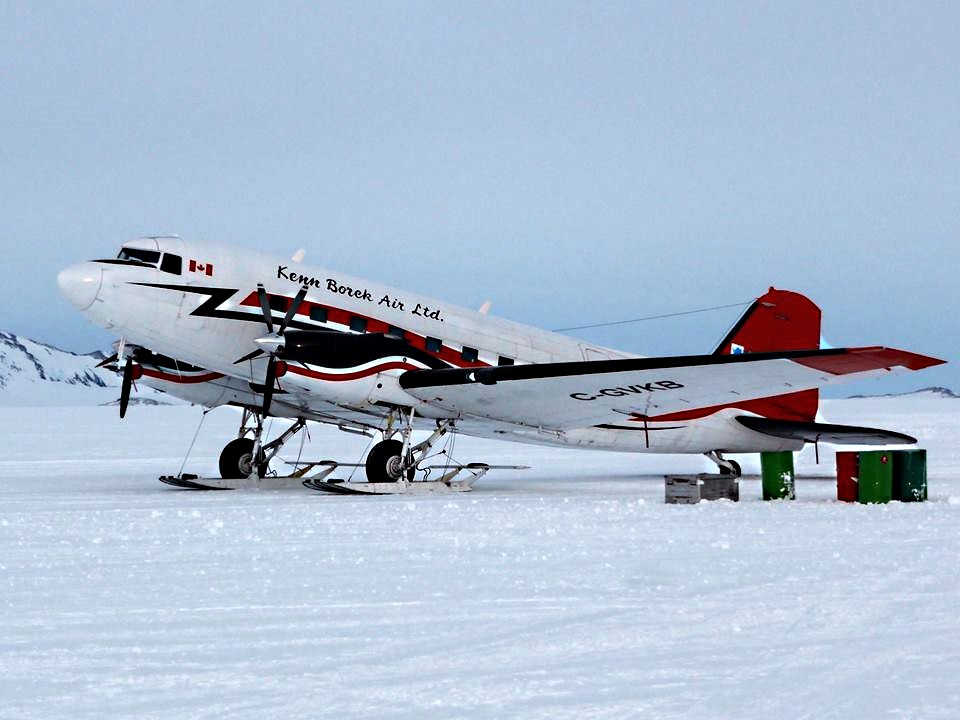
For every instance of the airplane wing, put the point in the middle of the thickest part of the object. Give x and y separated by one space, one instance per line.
580 394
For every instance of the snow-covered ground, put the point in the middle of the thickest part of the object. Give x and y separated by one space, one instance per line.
569 590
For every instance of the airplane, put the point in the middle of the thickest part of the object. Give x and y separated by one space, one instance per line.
218 325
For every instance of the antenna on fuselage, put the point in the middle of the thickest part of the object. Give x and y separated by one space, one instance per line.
299 255
485 308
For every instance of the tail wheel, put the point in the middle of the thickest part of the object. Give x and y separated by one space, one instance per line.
236 460
385 462
732 468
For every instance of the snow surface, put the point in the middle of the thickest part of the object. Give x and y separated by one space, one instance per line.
566 591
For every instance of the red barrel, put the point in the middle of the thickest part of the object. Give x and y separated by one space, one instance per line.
848 470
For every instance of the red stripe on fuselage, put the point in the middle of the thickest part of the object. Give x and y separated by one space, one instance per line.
181 379
294 369
356 375
342 317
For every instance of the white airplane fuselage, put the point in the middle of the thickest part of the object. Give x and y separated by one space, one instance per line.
208 316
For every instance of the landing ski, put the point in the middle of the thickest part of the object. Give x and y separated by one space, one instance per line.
192 482
401 487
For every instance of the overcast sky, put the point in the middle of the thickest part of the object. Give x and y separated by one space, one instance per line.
573 163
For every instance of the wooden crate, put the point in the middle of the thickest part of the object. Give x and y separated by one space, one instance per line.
691 489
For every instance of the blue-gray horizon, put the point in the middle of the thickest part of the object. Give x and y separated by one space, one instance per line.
573 164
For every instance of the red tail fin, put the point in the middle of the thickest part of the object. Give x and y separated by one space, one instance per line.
778 320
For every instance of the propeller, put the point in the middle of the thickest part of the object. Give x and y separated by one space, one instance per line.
125 386
272 343
131 372
292 310
269 383
249 356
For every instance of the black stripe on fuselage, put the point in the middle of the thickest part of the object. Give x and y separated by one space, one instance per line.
145 356
639 428
337 349
131 263
211 306
345 349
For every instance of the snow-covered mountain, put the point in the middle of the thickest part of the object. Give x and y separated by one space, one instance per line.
34 373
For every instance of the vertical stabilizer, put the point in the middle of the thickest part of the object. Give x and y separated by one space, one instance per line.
778 320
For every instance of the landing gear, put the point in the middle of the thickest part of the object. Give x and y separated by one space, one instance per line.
237 459
390 466
730 468
385 462
733 469
392 460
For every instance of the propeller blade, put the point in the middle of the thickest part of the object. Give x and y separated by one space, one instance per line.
125 387
249 356
292 310
265 306
268 385
107 361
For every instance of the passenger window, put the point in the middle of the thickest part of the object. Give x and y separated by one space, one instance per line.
318 314
469 354
433 344
171 264
504 360
358 324
278 303
395 332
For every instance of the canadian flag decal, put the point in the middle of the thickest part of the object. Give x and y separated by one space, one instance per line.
205 268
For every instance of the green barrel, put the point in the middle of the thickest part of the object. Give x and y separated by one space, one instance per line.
909 475
876 476
776 470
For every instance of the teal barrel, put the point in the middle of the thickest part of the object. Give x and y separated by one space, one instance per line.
776 472
909 475
876 476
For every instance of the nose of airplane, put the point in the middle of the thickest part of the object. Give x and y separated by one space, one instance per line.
80 283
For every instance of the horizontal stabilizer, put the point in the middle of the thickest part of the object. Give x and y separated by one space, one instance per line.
812 432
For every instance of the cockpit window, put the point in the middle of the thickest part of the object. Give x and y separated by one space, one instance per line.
136 255
171 263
